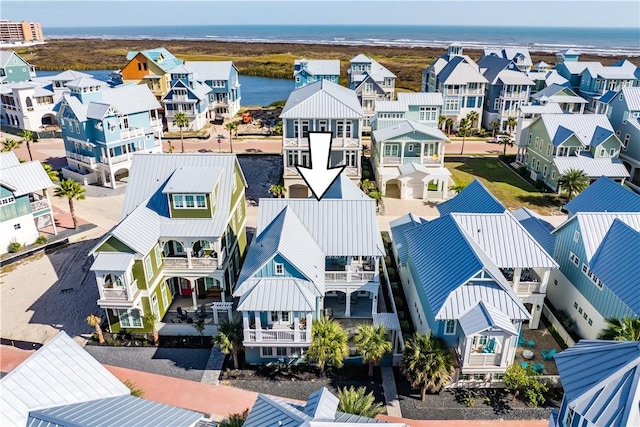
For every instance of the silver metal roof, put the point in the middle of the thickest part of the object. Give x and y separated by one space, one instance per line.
470 294
319 67
407 126
420 98
128 99
83 82
321 405
388 320
97 110
210 70
78 108
59 373
512 77
193 180
114 411
273 294
484 316
8 159
322 100
25 178
583 126
594 168
112 261
541 109
465 73
631 95
341 227
68 76
504 240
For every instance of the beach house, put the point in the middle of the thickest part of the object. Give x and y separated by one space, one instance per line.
103 127
518 55
13 68
320 107
624 114
564 96
508 90
557 143
307 71
181 235
187 96
24 202
298 269
526 115
599 265
458 78
466 284
407 148
151 68
223 80
600 384
371 81
27 105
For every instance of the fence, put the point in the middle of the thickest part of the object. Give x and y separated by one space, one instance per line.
38 134
553 321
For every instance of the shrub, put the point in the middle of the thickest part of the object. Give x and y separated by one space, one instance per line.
135 390
522 171
405 326
41 240
278 104
399 302
526 382
392 272
540 185
566 321
15 247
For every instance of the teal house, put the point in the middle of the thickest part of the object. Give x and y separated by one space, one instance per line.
13 68
307 71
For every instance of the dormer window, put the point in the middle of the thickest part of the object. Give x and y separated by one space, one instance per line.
189 201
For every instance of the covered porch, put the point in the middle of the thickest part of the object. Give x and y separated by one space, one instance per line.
193 291
212 310
416 181
351 299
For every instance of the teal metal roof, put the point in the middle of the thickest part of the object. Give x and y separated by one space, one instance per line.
604 195
160 56
475 198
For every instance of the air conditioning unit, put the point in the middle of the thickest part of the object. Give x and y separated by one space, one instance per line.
535 176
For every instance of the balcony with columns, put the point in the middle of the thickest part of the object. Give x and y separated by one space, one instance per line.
530 286
281 327
117 290
490 351
200 256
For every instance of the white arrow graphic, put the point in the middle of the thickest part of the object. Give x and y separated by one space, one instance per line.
319 176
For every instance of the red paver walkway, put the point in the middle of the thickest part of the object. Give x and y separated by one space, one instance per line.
219 401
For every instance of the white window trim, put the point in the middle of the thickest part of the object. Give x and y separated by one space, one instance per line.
275 269
148 271
129 317
195 201
454 327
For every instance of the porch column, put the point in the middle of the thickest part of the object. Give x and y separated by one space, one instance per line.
535 314
374 304
347 307
308 326
194 288
395 339
188 252
506 358
112 177
517 272
545 281
299 131
222 297
421 152
445 188
402 152
256 316
215 315
468 343
296 327
53 220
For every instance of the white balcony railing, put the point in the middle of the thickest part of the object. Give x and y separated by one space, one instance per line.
131 133
336 142
277 335
155 123
126 293
39 205
180 263
426 160
346 276
528 287
484 359
81 158
116 159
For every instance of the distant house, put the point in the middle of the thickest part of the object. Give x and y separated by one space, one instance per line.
508 90
600 383
320 107
307 71
223 80
371 81
545 78
519 55
598 267
321 409
188 96
408 148
557 143
458 78
463 283
24 202
13 68
27 105
63 385
103 127
624 115
564 96
181 234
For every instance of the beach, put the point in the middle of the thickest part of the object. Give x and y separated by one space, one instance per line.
257 59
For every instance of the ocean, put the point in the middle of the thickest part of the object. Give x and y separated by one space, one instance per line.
601 41
255 91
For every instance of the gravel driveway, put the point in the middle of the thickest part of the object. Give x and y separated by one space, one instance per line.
260 171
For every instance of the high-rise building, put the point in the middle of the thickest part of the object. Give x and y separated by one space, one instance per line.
12 31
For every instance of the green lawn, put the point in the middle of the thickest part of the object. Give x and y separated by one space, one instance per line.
513 191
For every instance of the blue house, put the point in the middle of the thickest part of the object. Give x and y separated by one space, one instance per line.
103 127
595 80
565 97
13 68
307 71
371 81
508 90
600 382
519 55
223 80
188 96
464 285
623 110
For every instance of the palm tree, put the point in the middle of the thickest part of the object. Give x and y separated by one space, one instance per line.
232 127
367 186
52 174
427 363
626 329
277 190
181 120
495 125
357 401
229 339
170 146
441 121
11 144
71 190
149 320
458 188
473 118
463 129
572 182
328 343
375 195
94 320
372 343
448 124
28 137
512 122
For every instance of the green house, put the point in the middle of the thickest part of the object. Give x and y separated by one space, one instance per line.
182 235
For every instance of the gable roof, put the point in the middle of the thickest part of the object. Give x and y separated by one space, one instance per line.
210 70
318 67
112 262
322 100
474 198
558 93
601 381
513 77
59 373
460 71
378 71
189 180
68 75
491 66
344 188
276 294
8 159
604 195
160 56
592 167
23 178
541 109
512 54
6 55
617 263
399 228
408 126
538 228
84 81
484 316
585 127
631 95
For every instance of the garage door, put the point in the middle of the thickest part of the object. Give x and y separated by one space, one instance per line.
298 192
414 190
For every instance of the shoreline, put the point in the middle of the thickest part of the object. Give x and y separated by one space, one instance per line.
254 59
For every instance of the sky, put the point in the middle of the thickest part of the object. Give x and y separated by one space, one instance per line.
538 13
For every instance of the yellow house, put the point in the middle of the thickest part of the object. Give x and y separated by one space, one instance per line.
151 67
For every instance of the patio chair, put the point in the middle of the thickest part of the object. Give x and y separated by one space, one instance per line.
524 365
538 367
548 354
202 312
182 314
531 343
490 347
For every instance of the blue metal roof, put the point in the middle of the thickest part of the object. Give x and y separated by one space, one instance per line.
600 381
604 195
399 228
492 65
114 411
562 134
600 135
475 198
537 227
617 263
608 96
